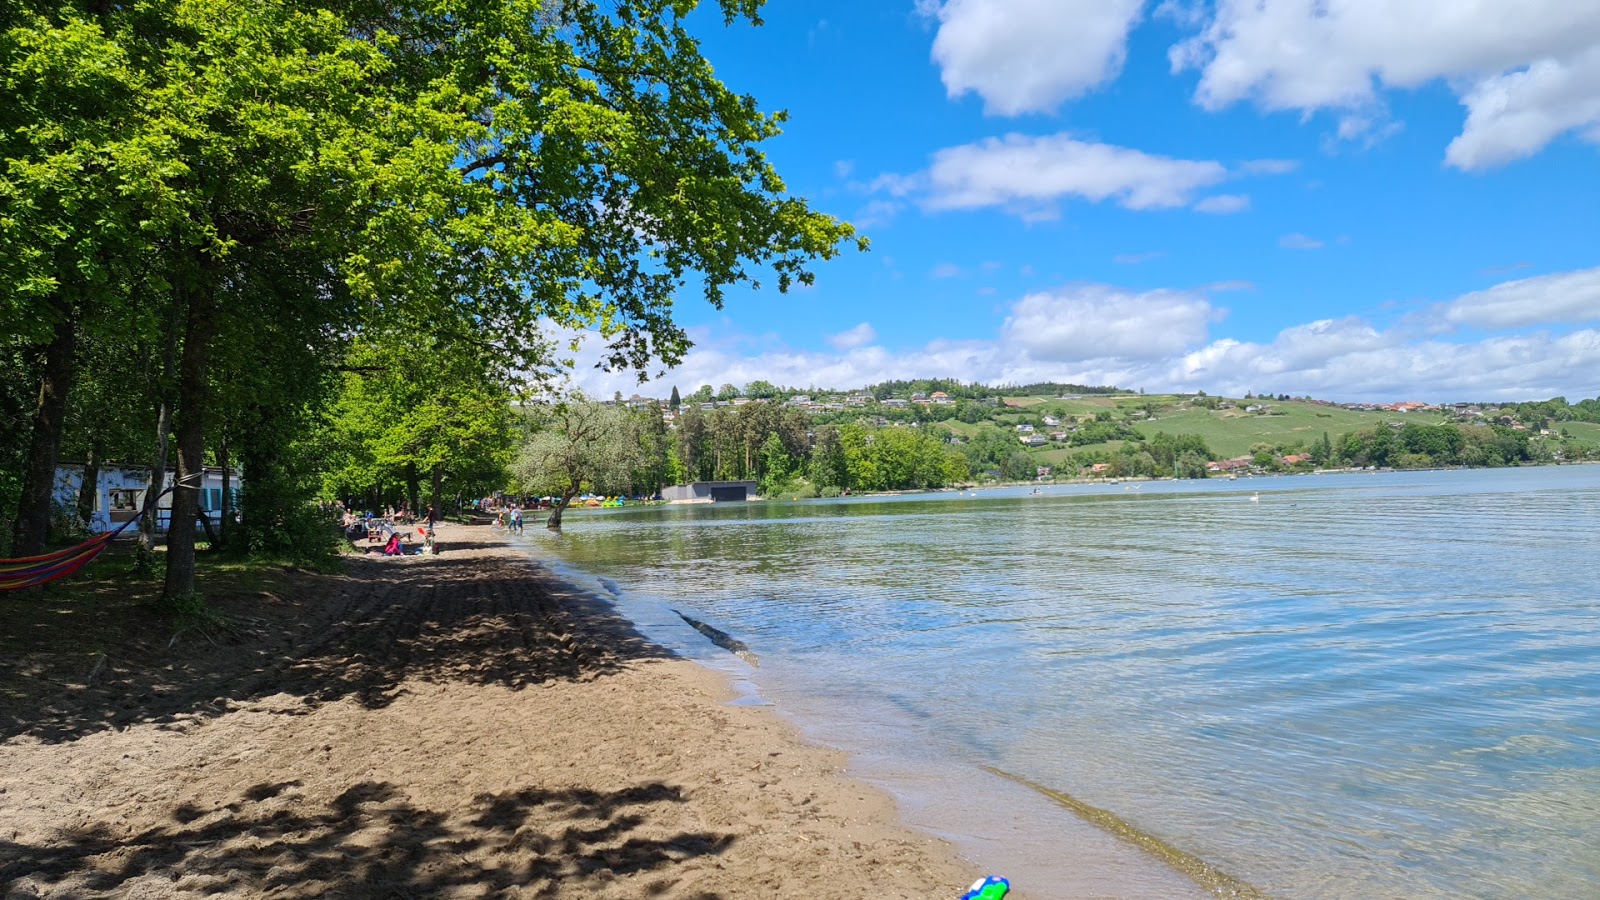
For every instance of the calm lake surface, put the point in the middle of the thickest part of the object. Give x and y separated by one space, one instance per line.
1366 685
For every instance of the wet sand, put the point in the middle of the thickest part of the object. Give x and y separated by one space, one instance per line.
456 726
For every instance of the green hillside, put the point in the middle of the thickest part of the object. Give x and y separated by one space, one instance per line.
1228 432
1232 432
1585 433
1231 429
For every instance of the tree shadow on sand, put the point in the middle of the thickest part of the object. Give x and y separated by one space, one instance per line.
372 842
475 619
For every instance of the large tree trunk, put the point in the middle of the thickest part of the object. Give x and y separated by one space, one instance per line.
436 500
193 389
554 522
413 489
151 506
151 509
32 527
89 489
204 522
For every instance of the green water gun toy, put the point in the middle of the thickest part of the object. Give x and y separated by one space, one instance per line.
992 888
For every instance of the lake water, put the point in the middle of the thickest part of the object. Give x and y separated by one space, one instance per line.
1365 685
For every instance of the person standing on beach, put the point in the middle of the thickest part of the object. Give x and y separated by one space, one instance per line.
516 520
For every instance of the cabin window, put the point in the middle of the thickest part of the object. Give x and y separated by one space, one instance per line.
125 498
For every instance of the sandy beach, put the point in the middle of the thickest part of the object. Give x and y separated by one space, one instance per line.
456 726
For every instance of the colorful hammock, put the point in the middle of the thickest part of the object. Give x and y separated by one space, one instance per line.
32 571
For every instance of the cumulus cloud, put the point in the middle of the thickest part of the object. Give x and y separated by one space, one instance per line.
1562 298
859 336
1098 321
1025 56
1353 361
1514 115
1524 68
1029 175
1098 334
1223 204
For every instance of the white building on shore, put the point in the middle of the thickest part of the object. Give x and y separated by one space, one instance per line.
121 492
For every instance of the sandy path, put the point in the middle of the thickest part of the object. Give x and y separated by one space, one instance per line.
461 726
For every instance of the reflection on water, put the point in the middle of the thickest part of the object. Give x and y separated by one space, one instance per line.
1363 685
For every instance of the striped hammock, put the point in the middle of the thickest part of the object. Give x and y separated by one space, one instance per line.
32 571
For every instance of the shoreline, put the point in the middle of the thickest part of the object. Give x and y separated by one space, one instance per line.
462 725
1047 844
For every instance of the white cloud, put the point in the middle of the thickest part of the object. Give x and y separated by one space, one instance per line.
1025 56
1183 15
1223 204
946 270
893 185
1351 360
1028 175
877 212
1299 241
844 168
1098 321
1524 68
859 336
1514 115
1343 359
1566 297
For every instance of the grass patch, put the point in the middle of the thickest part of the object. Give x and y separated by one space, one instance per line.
1586 434
1232 432
98 607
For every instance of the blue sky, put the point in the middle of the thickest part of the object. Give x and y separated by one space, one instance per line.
1368 199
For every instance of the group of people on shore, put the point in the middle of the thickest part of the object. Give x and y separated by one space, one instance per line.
390 528
509 518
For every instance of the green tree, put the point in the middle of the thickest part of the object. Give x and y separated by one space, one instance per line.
471 169
415 411
1322 451
578 442
777 465
829 465
1166 449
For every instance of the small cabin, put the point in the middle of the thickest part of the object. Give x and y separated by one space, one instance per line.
120 493
710 492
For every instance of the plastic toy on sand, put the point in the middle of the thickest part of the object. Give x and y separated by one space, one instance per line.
992 888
